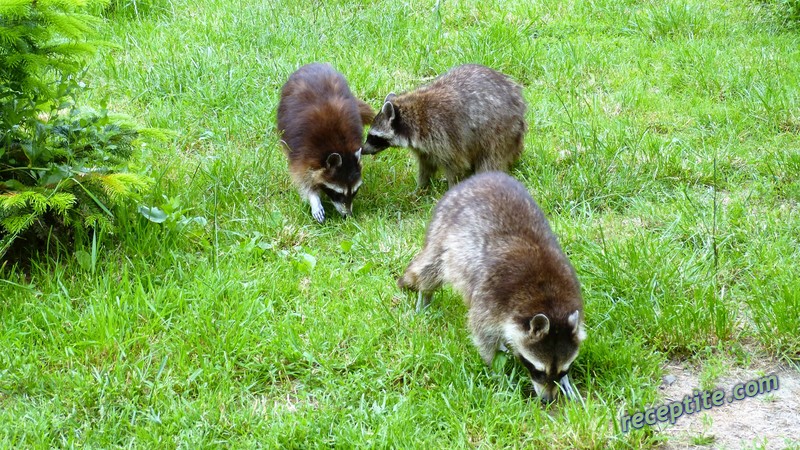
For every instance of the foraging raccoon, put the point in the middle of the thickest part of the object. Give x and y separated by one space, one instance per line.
471 119
321 123
492 243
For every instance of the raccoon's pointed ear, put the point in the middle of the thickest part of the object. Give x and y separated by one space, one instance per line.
577 327
540 326
389 97
334 160
358 154
388 111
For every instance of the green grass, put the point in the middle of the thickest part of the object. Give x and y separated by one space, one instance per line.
663 146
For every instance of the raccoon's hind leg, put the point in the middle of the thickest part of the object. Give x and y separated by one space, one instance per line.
502 162
489 165
501 155
504 154
453 177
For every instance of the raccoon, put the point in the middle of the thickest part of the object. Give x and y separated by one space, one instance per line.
492 243
321 125
471 119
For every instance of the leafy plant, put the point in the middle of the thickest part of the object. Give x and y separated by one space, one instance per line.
62 167
173 215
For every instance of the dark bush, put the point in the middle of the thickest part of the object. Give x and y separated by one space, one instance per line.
63 168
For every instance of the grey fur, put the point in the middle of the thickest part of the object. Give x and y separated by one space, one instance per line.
491 242
471 119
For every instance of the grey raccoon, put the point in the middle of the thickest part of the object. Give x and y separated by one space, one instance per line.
471 119
321 126
489 240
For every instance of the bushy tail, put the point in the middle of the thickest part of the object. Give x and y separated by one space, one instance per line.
366 112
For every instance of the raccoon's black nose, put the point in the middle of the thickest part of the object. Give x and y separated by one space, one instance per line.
548 394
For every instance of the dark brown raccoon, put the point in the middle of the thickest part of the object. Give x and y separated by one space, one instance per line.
491 242
321 125
471 119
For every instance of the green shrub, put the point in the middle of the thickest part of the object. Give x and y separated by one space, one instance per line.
791 12
786 12
62 168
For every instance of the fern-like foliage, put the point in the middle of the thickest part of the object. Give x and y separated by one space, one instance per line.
35 33
61 166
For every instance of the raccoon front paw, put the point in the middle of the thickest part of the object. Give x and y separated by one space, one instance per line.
316 207
319 214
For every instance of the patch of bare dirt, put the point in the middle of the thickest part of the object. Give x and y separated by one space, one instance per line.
768 421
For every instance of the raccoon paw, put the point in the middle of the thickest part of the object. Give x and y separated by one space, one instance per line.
319 214
316 207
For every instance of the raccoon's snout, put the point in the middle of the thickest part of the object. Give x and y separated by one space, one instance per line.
375 144
368 149
549 392
345 209
546 392
341 197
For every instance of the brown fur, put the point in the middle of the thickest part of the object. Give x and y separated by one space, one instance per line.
491 242
366 112
471 119
321 126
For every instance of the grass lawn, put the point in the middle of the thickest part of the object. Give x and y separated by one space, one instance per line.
663 145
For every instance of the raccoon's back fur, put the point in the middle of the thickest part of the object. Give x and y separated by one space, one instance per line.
492 243
471 119
321 126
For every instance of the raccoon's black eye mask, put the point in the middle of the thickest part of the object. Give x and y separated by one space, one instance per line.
338 197
538 375
333 195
